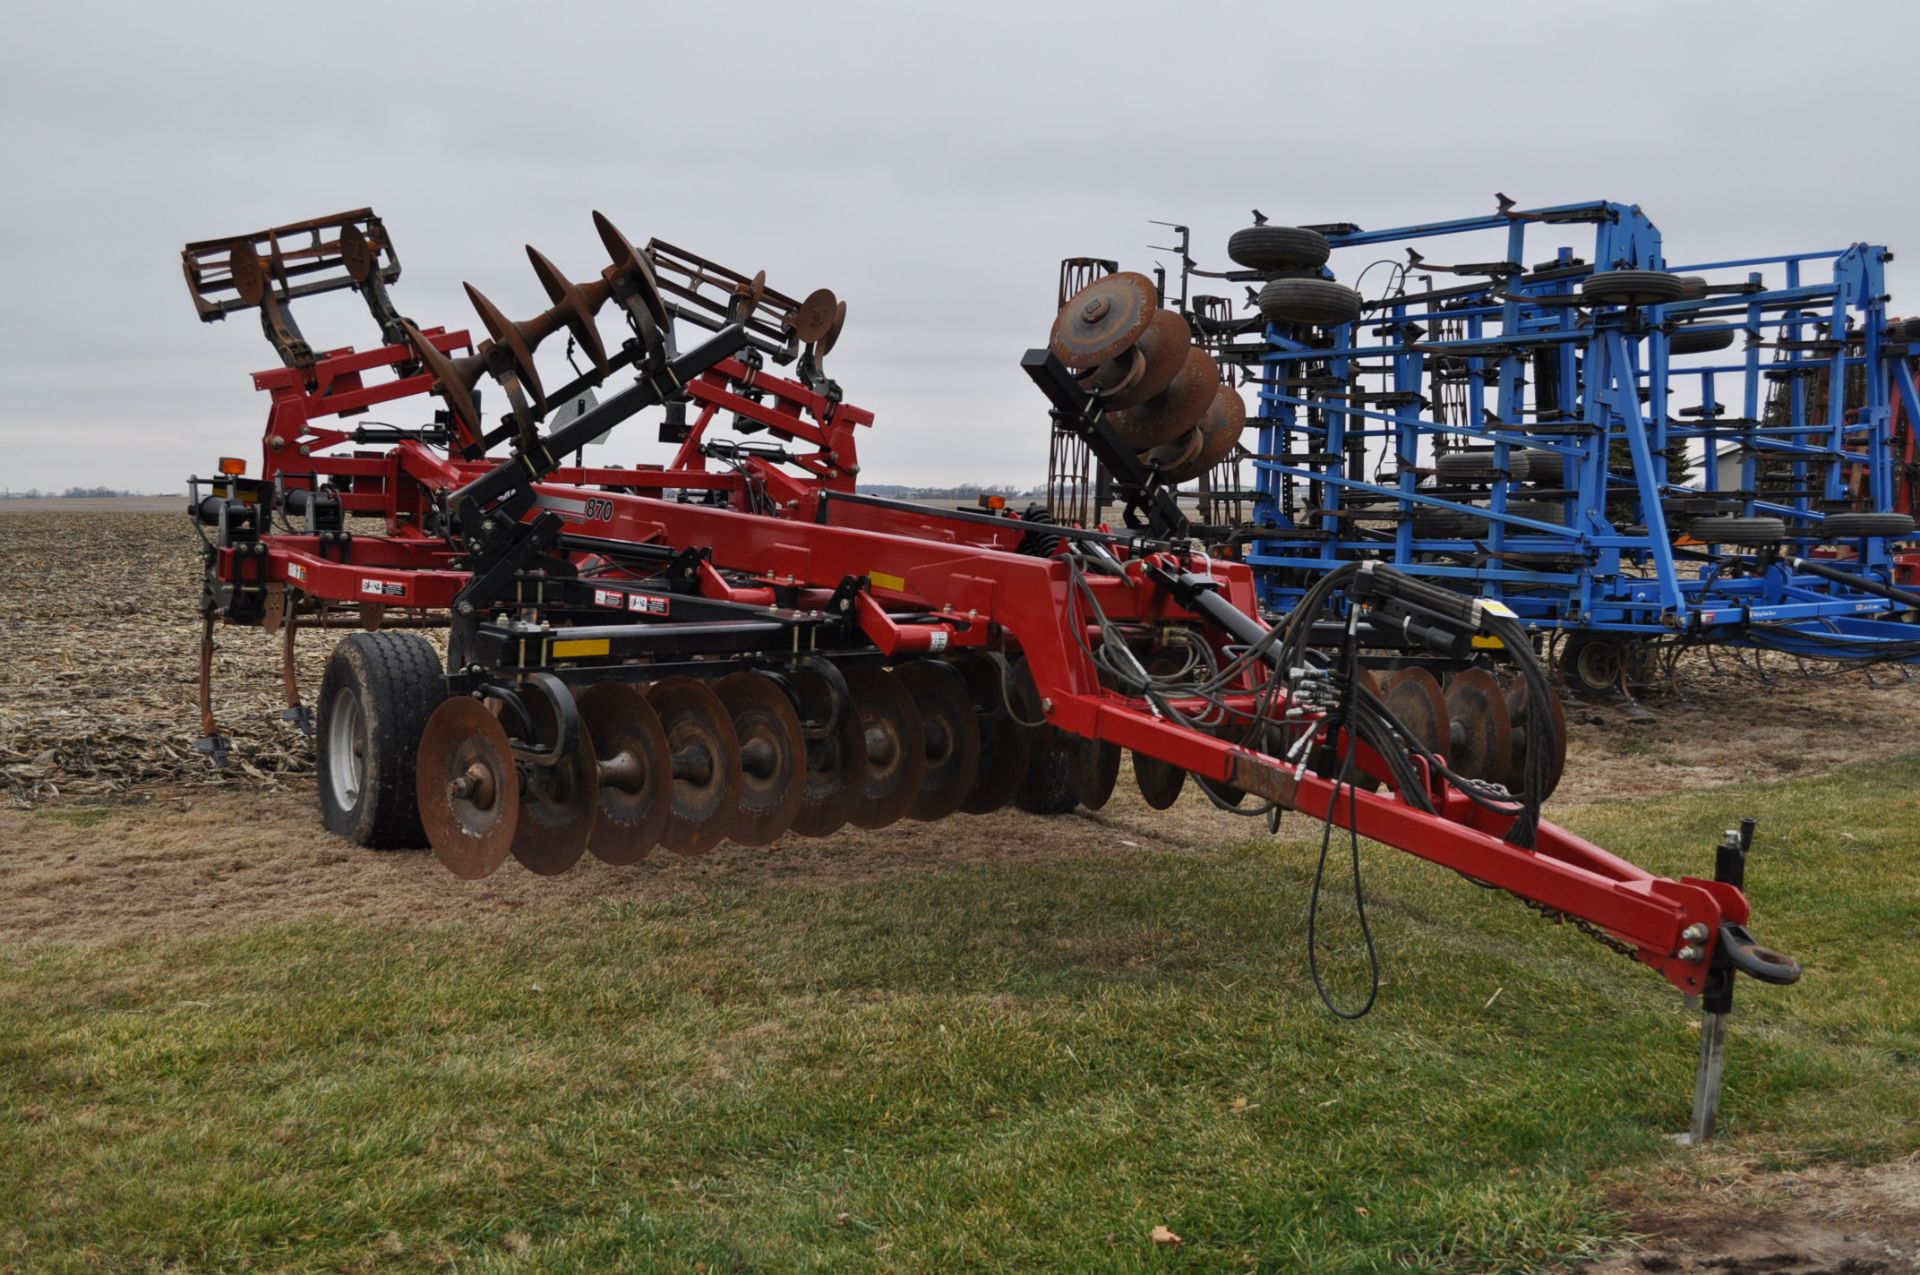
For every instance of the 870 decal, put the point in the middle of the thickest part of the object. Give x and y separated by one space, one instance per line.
598 509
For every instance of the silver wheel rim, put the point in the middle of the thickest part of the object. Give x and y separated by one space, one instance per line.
346 748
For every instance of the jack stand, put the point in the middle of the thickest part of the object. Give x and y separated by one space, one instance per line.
1716 1002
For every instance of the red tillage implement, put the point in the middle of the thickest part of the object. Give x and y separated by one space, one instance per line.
738 644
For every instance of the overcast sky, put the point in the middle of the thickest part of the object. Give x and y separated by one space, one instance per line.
930 164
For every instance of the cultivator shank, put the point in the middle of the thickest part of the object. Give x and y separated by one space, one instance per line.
739 645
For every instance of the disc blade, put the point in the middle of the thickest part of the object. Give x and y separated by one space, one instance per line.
1163 351
773 758
453 380
559 803
951 735
814 316
1481 731
1159 782
1103 318
896 756
631 270
1220 429
832 338
1174 411
705 754
636 772
1096 769
1046 786
575 306
513 338
1006 747
1517 700
836 755
1413 695
469 788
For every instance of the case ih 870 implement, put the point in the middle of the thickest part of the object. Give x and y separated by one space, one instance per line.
737 644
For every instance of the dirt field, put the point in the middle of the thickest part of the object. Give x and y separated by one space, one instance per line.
116 829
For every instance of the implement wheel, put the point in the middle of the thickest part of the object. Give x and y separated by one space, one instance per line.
1590 664
1278 248
1843 526
378 691
1316 302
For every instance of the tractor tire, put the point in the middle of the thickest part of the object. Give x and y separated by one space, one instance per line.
1849 526
378 691
1686 340
1696 287
1723 530
1634 287
1278 248
1319 302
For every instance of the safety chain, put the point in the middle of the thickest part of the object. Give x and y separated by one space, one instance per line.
1586 927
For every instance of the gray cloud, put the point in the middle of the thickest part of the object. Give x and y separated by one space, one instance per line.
929 163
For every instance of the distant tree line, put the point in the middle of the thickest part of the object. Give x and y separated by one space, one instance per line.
71 493
961 491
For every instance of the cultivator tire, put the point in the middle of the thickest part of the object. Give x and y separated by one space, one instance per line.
836 745
706 763
1590 665
895 746
773 758
951 734
469 788
1847 526
1006 747
1314 302
1278 248
1634 287
378 691
1738 531
635 772
560 800
1688 340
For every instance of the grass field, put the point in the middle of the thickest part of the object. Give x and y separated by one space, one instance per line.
985 1066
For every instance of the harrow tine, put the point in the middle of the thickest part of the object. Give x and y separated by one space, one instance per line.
773 758
635 769
468 788
706 763
836 770
951 735
895 748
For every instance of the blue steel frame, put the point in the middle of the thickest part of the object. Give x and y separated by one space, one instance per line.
1612 362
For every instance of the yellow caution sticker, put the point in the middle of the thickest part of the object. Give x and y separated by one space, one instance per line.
1488 644
881 580
572 648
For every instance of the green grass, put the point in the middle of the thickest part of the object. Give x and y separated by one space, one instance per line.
993 1068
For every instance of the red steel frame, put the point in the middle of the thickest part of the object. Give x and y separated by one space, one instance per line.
936 583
